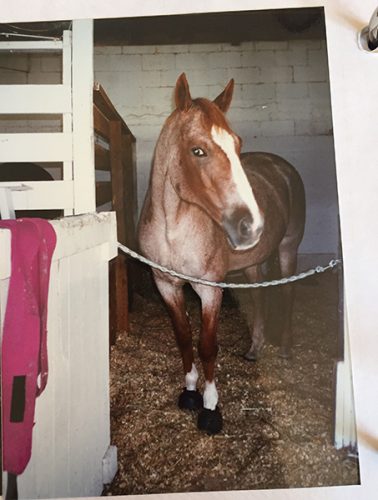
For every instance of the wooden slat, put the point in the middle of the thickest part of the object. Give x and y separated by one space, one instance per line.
103 192
102 158
36 147
32 46
104 104
101 123
82 103
43 195
40 99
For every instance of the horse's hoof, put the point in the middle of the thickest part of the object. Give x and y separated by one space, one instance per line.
190 400
210 421
285 353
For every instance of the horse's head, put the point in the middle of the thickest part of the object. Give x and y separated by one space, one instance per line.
207 170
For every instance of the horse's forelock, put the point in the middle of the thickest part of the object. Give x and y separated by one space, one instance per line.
212 114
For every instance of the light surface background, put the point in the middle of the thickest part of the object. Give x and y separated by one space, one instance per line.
354 78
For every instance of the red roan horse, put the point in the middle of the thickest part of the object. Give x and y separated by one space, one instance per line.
209 210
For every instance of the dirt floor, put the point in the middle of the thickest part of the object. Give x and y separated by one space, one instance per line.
277 414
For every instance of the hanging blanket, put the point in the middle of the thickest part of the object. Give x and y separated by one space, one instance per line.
24 343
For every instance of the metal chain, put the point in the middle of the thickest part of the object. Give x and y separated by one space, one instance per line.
316 270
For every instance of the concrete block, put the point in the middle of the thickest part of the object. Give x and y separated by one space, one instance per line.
185 62
293 108
319 92
318 58
205 47
172 49
271 45
14 61
311 74
295 56
117 62
277 128
291 90
245 75
158 99
107 51
9 77
158 61
138 49
308 44
51 63
263 59
211 76
258 91
313 127
277 74
45 78
225 60
240 47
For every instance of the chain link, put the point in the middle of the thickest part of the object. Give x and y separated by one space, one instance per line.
316 270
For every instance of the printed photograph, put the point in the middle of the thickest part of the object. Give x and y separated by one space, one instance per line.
178 324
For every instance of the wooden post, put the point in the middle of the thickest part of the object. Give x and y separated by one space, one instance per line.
82 104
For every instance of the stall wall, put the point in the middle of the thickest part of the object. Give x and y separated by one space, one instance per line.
281 104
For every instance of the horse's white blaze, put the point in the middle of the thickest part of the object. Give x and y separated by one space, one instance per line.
191 379
210 396
242 186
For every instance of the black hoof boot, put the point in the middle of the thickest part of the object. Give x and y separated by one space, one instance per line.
190 400
210 421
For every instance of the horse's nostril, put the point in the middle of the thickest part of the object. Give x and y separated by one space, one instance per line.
245 227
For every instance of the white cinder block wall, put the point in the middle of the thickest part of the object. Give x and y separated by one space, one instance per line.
281 104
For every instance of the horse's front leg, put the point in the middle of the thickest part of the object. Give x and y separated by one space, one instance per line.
172 293
255 314
210 418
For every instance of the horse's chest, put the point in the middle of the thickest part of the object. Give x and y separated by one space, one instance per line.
191 245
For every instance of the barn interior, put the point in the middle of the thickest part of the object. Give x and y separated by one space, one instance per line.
276 408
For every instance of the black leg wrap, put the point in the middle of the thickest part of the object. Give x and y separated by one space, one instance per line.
190 400
210 421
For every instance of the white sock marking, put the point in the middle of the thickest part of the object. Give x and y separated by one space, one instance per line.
191 379
210 396
226 142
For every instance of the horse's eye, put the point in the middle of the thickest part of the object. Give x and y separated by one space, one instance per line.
198 152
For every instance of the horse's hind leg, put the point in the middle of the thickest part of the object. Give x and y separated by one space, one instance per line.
172 293
255 313
210 418
288 264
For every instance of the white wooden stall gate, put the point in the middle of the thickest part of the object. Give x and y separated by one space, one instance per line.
71 453
74 145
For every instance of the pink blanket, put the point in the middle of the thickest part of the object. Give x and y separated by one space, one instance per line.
24 343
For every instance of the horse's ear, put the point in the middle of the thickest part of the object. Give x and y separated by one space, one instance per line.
182 95
223 101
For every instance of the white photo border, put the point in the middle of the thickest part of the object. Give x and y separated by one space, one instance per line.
353 82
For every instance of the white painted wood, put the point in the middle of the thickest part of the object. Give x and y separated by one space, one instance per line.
67 117
345 420
71 436
6 203
32 46
35 147
40 99
43 195
82 104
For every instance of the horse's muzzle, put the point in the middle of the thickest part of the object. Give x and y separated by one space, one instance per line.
240 230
